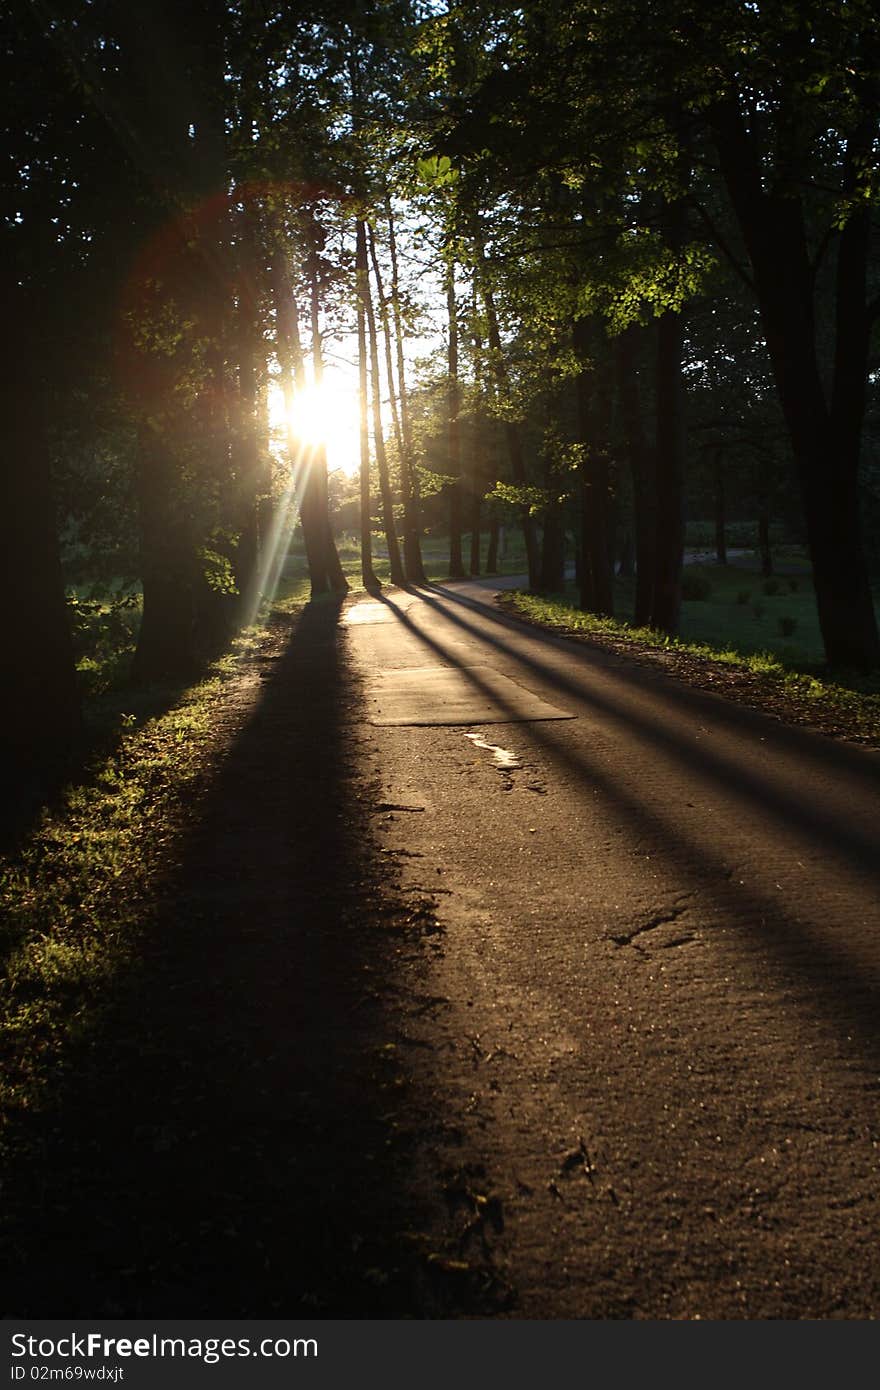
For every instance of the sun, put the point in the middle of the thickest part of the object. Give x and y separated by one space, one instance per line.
312 414
325 414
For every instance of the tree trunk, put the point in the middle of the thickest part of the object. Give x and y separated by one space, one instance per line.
626 554
764 549
492 552
825 437
395 563
412 524
250 465
213 272
478 468
640 461
553 553
42 717
474 521
165 640
412 551
456 563
368 574
594 428
669 474
332 564
511 433
720 509
288 347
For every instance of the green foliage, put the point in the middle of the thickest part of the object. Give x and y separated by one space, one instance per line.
104 631
436 172
535 499
770 587
217 571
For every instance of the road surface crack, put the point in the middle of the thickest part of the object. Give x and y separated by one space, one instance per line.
660 919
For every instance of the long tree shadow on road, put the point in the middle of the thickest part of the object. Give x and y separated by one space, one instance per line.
842 989
223 1146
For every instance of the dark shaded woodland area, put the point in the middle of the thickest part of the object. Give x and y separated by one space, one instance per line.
650 268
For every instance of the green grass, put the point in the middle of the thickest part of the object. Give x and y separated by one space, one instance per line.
293 586
724 630
739 616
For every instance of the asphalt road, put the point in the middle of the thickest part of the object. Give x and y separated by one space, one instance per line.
651 1031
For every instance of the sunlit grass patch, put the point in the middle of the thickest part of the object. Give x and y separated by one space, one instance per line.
856 697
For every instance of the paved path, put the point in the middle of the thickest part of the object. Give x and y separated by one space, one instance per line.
652 1037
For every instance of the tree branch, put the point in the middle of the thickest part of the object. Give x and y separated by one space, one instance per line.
722 244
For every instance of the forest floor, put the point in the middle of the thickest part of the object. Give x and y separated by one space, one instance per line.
520 1016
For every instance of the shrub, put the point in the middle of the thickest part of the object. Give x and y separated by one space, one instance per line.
793 585
758 610
770 587
744 596
787 625
695 586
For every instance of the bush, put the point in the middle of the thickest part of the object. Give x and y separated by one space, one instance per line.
744 596
770 587
695 586
104 633
787 625
758 610
793 586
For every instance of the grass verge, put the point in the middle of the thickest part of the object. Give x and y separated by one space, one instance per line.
74 892
845 705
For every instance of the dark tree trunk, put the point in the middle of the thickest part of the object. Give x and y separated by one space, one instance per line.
474 520
478 467
593 418
412 524
288 346
669 476
368 574
246 461
394 560
626 554
720 509
324 532
165 640
764 548
553 539
42 716
456 562
250 464
825 435
492 551
412 551
512 436
553 553
640 460
213 275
